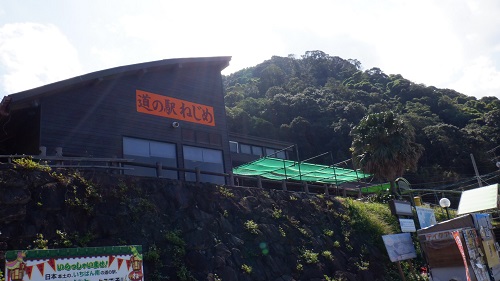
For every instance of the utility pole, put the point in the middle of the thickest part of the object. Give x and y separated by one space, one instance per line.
475 170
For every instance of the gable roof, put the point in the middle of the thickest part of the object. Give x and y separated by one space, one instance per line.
95 77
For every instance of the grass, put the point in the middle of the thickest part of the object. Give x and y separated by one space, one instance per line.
252 226
310 257
328 255
28 164
246 268
225 192
328 232
282 232
372 218
277 213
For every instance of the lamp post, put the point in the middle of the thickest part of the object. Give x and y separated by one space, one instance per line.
445 203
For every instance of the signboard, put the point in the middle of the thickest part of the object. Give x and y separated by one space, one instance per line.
121 263
438 236
169 107
478 199
407 225
399 246
426 216
400 208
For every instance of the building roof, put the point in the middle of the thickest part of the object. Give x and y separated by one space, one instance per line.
96 77
281 169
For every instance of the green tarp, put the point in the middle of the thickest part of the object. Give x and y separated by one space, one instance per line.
280 169
376 188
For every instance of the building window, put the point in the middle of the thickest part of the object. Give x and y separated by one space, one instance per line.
281 155
150 152
233 146
271 152
208 160
245 148
256 150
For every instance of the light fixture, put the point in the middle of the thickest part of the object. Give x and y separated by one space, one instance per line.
445 203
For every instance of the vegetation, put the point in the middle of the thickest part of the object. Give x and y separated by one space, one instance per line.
316 100
384 145
246 268
29 164
252 226
310 257
225 192
308 232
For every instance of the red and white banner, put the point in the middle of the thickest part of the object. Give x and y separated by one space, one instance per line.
456 236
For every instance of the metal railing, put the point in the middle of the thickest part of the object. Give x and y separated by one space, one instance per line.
122 165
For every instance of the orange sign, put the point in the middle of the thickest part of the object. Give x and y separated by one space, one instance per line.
164 106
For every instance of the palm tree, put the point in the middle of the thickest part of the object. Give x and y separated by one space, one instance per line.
383 145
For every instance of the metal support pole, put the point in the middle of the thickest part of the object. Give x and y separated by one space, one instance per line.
475 170
231 179
198 175
158 169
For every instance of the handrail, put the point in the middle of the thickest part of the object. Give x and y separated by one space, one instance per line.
117 164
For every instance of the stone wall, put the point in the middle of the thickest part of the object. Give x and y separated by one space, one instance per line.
188 232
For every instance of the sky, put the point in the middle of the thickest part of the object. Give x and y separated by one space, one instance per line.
452 44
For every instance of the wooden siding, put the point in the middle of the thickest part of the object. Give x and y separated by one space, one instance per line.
91 120
20 132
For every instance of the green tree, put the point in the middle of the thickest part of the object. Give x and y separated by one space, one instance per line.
383 144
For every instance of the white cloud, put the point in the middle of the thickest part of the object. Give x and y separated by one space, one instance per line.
33 55
479 78
446 43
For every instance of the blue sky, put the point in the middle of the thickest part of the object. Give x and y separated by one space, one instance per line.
447 43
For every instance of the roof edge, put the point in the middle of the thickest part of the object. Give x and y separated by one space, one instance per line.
222 62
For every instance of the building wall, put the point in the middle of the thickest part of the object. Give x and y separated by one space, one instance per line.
245 149
91 120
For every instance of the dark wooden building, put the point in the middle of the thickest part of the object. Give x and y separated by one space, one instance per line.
245 149
169 111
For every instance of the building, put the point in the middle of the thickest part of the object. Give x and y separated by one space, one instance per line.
245 149
169 111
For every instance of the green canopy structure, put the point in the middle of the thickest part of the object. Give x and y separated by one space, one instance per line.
280 169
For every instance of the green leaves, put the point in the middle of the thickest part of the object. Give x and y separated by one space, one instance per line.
383 144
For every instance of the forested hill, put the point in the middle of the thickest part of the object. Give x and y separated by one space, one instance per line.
315 101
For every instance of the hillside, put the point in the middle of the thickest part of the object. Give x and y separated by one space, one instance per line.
191 232
316 99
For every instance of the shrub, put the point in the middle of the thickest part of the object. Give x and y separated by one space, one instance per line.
226 192
310 256
246 268
277 213
282 232
327 255
251 226
28 164
328 232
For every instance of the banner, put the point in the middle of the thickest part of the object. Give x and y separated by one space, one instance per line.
456 236
121 263
169 107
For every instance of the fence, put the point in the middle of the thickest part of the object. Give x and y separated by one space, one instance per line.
120 165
